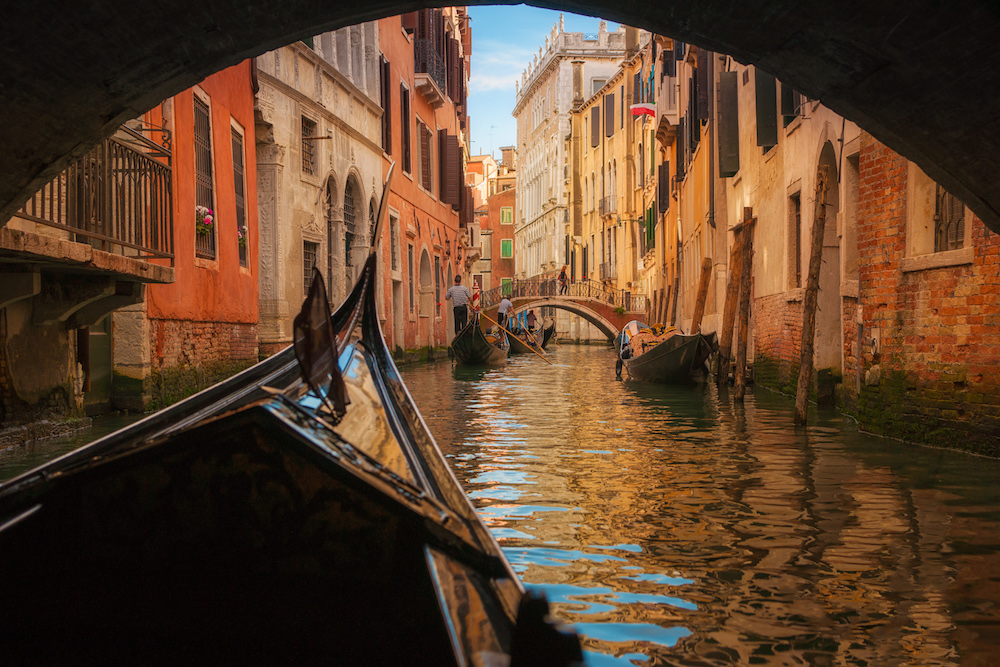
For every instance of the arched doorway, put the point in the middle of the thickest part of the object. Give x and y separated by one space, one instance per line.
350 229
329 206
829 331
426 299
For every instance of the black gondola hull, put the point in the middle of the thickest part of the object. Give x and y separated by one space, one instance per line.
675 360
471 346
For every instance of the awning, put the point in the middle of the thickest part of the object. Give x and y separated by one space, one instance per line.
643 108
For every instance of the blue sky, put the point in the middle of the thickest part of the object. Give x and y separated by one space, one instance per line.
504 40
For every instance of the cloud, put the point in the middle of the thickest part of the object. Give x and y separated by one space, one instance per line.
496 66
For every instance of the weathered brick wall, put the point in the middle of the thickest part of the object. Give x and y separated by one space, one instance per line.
777 331
187 356
934 377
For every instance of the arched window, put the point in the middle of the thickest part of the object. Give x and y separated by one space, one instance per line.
329 199
349 227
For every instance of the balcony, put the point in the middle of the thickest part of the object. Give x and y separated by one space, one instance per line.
608 271
607 205
430 71
117 199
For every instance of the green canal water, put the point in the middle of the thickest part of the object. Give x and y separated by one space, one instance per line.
670 527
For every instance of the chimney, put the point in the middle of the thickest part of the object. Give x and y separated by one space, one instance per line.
577 83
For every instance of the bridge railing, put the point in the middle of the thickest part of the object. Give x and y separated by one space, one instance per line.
549 287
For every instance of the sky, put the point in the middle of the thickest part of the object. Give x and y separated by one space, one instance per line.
504 40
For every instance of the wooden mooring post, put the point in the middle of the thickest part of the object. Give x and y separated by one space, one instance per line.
699 303
746 288
732 300
810 297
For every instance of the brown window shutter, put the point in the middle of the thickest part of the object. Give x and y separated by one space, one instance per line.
409 21
704 84
609 114
595 126
386 107
404 128
636 85
454 172
663 188
425 157
681 149
442 165
767 109
729 128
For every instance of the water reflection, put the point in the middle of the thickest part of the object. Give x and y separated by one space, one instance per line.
671 527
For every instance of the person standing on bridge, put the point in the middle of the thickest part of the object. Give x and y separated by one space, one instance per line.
460 297
563 282
505 305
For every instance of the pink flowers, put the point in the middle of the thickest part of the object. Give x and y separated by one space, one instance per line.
203 218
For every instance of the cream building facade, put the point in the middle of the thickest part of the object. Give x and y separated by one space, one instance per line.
319 169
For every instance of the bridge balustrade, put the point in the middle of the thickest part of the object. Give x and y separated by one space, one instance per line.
579 289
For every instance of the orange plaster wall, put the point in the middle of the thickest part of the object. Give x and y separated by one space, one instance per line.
218 290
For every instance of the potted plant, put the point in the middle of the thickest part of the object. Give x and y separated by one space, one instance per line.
241 233
203 220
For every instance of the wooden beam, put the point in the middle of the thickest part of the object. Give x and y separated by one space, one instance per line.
746 287
810 297
732 299
699 303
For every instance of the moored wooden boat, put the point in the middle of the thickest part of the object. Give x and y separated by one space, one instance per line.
519 345
473 347
672 357
299 512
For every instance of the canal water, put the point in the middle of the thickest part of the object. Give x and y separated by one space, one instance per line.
671 528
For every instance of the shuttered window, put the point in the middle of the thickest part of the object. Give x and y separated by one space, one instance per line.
949 221
595 126
729 128
386 106
663 188
426 159
239 188
609 115
767 109
704 76
404 127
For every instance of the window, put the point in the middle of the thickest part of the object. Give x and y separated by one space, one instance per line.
404 127
349 227
204 244
309 252
596 85
506 286
386 105
795 240
330 199
506 248
437 286
425 159
949 221
308 146
409 258
393 240
239 186
506 215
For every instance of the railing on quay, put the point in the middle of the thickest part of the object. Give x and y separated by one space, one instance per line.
579 289
117 198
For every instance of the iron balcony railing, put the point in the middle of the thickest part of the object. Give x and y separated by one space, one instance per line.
118 198
580 289
607 205
429 61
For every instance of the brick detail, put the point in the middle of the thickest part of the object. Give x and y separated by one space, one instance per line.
185 343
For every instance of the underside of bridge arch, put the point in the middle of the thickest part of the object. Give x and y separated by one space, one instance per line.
607 328
919 75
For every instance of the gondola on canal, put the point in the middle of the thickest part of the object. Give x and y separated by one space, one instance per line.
663 355
547 334
299 512
474 347
523 340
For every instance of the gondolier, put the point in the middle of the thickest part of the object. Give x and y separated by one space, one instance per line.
460 297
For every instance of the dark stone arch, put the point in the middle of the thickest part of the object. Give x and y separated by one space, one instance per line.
918 75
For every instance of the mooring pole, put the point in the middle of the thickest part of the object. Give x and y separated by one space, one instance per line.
699 303
746 287
810 297
732 300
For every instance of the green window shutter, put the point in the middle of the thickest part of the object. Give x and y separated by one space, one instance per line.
767 109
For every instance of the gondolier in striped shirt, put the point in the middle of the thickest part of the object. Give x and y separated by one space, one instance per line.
460 297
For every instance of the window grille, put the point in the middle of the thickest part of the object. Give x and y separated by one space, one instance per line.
309 252
349 227
437 285
393 240
949 221
204 194
308 146
238 184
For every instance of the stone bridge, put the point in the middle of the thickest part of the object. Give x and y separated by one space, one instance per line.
607 309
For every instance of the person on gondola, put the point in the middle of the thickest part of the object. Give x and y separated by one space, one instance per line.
505 305
460 296
531 321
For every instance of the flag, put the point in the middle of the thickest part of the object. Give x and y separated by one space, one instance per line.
643 108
